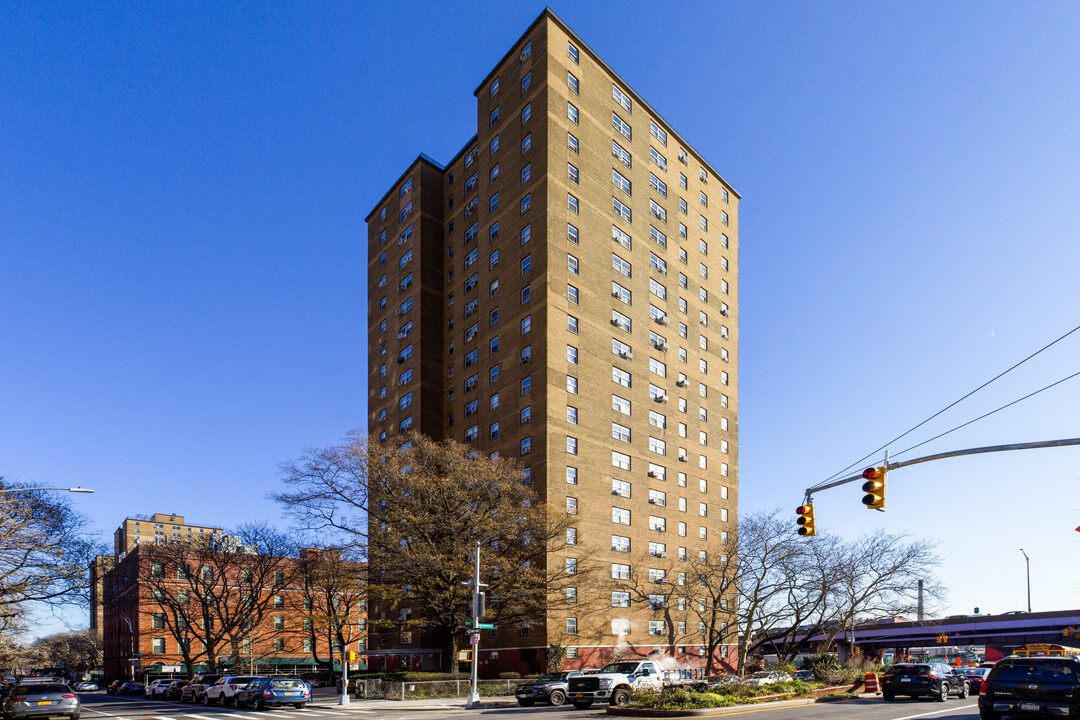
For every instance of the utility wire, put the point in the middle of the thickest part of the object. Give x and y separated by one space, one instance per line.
957 402
969 422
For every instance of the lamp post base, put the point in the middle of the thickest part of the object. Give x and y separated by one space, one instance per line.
473 702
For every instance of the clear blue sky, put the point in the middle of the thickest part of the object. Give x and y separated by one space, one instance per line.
182 245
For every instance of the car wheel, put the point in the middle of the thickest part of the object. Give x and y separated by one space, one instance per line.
258 704
526 702
75 716
204 699
943 693
963 691
298 706
620 697
887 696
582 704
557 697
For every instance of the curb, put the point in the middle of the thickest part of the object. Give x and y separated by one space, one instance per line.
720 711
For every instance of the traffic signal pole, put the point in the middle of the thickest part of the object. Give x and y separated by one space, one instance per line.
952 453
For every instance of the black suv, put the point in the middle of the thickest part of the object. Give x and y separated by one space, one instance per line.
1036 685
936 680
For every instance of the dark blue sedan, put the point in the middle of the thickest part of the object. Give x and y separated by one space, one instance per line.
262 693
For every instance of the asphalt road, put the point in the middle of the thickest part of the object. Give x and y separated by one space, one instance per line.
98 706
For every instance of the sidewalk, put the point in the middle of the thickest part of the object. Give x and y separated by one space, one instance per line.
327 699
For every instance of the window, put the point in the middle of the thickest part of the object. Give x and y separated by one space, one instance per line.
492 119
571 505
621 294
526 325
572 113
657 368
659 290
659 160
526 294
526 446
526 234
494 90
623 266
657 446
571 592
571 355
572 52
571 445
494 204
620 97
526 143
658 185
572 324
572 143
620 543
157 646
620 152
620 237
571 233
620 321
526 387
620 405
657 263
572 83
620 460
620 572
572 173
619 181
619 124
620 432
657 237
526 82
572 294
620 376
572 203
657 133
571 385
657 627
572 264
657 211
621 349
571 476
621 210
571 415
620 599
526 264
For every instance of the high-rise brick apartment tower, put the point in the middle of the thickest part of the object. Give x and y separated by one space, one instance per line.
565 291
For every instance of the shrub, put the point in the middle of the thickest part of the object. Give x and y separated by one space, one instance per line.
677 699
510 675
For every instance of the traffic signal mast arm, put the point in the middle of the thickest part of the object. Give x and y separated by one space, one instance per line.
953 453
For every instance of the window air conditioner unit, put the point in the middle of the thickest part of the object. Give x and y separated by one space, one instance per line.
682 458
525 420
614 293
614 321
400 359
652 501
526 451
525 359
681 383
614 492
724 311
652 474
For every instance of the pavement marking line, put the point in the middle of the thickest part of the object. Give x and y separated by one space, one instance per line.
937 712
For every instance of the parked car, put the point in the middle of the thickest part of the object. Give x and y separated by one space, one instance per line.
765 677
975 677
84 686
195 691
156 689
936 680
1020 686
113 687
807 675
172 692
131 688
261 693
550 688
721 682
27 700
223 692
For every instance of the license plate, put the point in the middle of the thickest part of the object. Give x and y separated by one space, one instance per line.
905 679
1035 707
578 695
44 702
291 692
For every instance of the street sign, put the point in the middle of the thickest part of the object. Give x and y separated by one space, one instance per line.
486 626
472 631
464 655
474 639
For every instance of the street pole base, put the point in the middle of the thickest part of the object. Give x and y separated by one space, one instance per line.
473 703
344 699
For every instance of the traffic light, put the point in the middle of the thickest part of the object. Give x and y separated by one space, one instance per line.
805 519
874 487
942 639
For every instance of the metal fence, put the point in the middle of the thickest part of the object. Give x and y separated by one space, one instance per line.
390 690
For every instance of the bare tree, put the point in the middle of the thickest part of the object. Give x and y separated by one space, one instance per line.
418 510
716 577
216 594
877 575
45 552
332 595
660 584
75 649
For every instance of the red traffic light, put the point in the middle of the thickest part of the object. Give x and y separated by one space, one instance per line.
871 473
802 509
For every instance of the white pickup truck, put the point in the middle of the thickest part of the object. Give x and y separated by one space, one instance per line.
614 683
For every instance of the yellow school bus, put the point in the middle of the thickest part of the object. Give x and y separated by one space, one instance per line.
1046 650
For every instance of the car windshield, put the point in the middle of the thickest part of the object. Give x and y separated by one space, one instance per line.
286 683
975 672
1060 671
624 668
550 677
40 689
908 669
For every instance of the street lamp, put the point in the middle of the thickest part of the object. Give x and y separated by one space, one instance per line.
35 489
131 648
1027 560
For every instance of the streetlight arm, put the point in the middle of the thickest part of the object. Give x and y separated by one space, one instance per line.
36 489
